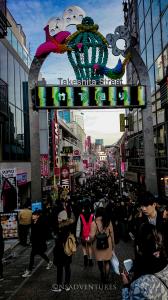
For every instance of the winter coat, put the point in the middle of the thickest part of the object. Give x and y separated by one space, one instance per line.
148 287
106 254
60 258
39 236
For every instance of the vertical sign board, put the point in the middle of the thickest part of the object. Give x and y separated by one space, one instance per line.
44 164
122 122
65 178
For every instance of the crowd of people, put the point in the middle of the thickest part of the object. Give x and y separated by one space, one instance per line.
98 216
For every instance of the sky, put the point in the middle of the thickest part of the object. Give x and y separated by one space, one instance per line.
33 15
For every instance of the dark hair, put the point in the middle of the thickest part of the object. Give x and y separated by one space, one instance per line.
150 241
37 213
101 212
146 199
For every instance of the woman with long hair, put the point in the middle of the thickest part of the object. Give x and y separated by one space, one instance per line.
102 226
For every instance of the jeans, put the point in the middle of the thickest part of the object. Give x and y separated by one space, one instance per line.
60 274
33 254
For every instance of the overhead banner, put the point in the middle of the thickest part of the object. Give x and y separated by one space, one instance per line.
44 97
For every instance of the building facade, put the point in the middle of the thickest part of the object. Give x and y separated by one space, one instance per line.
14 117
148 23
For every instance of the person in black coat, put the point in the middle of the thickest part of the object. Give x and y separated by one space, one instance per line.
38 241
61 260
1 251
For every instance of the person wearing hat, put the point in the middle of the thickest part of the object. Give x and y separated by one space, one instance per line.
38 241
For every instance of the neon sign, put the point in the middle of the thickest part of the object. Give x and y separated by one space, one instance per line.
45 97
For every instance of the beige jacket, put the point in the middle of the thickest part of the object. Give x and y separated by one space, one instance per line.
25 216
106 254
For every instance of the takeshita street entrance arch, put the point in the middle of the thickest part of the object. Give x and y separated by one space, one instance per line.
87 51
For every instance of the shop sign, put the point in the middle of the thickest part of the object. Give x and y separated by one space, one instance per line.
76 152
67 150
21 179
10 225
65 182
7 173
44 164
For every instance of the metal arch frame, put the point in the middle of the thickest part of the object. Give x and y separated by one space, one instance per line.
149 154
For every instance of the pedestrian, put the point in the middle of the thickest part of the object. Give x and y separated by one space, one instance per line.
82 233
24 219
38 241
1 251
61 260
150 270
102 231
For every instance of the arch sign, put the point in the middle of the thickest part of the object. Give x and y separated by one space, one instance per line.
96 85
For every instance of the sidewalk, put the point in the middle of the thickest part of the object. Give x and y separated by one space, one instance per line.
9 244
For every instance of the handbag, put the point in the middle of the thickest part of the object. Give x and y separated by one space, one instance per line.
115 264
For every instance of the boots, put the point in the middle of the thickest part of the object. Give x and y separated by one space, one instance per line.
85 260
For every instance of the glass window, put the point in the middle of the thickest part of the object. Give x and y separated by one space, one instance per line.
9 35
11 95
165 28
154 118
161 140
14 42
17 84
148 27
25 57
142 37
144 56
20 50
159 68
165 60
149 53
163 4
3 62
160 116
152 79
157 42
141 13
146 5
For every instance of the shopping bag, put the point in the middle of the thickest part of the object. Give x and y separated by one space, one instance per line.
115 264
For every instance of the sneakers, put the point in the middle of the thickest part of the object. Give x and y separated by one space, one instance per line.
55 288
27 273
49 265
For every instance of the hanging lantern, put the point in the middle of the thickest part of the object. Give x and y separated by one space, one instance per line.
89 47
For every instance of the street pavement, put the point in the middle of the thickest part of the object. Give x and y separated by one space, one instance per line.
85 283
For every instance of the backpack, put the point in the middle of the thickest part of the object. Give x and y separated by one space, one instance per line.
101 240
70 245
86 227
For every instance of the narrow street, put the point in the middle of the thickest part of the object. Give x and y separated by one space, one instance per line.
85 283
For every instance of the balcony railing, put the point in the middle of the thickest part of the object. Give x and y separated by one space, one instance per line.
3 100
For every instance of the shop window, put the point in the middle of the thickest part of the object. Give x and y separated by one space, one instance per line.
160 116
3 62
161 141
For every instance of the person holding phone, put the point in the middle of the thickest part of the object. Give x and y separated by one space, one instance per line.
150 269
